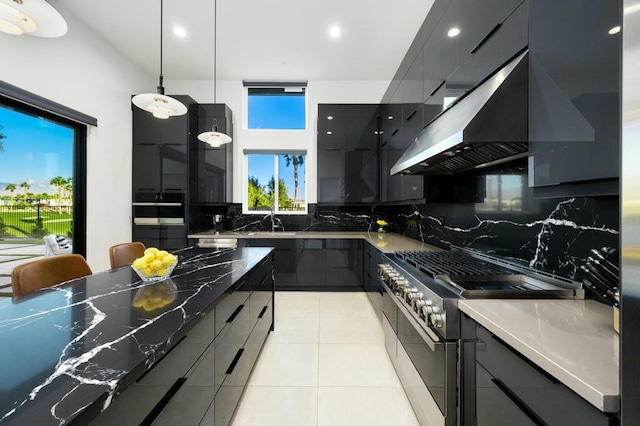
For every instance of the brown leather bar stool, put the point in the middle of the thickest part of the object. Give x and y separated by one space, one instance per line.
125 254
29 277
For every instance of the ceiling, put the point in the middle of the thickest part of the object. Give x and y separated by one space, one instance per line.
258 39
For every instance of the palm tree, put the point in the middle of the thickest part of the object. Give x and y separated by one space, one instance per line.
296 160
68 187
2 136
10 187
58 182
25 186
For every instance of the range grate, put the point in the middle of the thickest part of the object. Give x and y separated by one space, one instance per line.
450 263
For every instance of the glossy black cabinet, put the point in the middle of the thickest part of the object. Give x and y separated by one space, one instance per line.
347 153
574 104
210 173
375 292
315 264
510 389
160 149
160 166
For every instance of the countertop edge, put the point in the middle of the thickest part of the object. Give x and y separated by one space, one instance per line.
608 403
378 240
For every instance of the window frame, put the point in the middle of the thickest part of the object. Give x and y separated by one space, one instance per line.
47 110
276 176
283 86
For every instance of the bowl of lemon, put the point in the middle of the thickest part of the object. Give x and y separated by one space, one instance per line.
155 265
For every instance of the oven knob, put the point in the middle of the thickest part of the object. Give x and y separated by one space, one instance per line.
430 309
399 289
408 290
419 303
437 320
410 297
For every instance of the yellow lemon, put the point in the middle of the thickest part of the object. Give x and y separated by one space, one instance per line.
156 264
169 260
161 271
161 254
149 257
139 263
151 250
148 272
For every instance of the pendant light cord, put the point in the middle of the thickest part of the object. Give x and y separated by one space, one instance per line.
160 88
215 48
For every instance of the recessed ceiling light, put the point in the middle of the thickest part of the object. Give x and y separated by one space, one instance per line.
179 31
329 133
453 32
390 117
330 117
614 30
335 31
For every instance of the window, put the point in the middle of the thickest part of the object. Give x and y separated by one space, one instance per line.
42 175
281 108
263 170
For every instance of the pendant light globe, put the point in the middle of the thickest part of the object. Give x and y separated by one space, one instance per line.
215 138
159 104
31 17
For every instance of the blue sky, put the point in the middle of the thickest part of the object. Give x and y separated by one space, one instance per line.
276 112
34 149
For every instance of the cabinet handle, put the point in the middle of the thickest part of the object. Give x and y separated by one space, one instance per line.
485 39
263 280
264 309
411 115
235 314
155 412
394 132
235 361
437 88
519 402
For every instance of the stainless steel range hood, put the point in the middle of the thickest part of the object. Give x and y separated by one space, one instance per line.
486 126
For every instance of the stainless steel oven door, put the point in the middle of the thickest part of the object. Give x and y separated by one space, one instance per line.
433 361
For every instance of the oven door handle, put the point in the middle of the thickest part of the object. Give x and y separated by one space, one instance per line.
430 338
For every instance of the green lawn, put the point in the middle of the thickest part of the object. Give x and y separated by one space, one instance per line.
19 223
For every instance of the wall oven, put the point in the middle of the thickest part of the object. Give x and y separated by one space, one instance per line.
158 209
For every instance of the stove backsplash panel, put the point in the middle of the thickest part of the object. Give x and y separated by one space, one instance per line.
553 235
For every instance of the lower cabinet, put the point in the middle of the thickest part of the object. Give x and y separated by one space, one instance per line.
315 264
201 379
509 389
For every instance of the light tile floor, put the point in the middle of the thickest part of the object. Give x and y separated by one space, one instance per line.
324 365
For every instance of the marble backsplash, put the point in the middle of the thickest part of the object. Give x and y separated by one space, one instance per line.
553 235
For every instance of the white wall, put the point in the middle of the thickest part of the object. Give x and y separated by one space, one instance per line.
83 72
318 92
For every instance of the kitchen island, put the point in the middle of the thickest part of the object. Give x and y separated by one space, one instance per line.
68 352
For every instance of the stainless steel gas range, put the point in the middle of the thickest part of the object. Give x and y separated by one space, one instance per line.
422 321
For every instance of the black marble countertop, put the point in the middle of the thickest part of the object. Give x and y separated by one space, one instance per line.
66 351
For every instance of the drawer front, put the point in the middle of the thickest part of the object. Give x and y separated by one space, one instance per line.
546 400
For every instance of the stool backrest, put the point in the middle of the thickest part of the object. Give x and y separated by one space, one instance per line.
42 273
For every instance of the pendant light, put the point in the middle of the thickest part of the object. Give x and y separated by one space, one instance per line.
31 17
158 104
214 137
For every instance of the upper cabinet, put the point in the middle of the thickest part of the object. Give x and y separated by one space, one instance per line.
160 149
348 138
210 168
574 97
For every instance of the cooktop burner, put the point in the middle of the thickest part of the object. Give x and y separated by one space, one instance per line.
450 263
